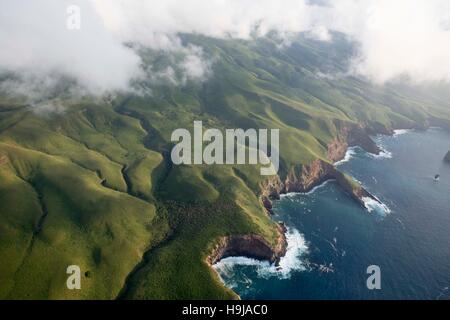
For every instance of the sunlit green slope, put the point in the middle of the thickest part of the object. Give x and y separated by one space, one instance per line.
92 184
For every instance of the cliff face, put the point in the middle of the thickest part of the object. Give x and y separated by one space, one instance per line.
447 157
337 149
319 171
251 246
309 177
352 135
299 179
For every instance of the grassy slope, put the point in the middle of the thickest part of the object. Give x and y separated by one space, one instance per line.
92 185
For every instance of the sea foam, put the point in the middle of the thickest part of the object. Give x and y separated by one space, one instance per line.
348 156
294 194
296 248
384 154
376 206
400 132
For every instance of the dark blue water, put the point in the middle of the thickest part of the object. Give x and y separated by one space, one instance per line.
333 240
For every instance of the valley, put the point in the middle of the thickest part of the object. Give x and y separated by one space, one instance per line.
92 183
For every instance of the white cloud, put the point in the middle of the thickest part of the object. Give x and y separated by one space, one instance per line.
186 63
195 66
146 21
320 33
401 37
35 41
398 37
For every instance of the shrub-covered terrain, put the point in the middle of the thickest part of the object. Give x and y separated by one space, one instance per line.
92 183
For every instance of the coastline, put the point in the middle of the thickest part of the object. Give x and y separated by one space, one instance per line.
311 177
320 171
250 246
327 220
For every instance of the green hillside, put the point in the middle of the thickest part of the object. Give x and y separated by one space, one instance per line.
93 184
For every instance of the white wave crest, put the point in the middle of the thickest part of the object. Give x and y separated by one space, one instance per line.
399 132
293 194
352 151
348 156
297 247
376 206
384 154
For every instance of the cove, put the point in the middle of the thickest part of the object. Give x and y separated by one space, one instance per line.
408 238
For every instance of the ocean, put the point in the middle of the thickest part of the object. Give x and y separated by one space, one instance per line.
332 240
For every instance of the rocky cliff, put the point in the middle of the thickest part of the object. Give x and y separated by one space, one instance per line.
300 179
309 177
305 178
352 135
251 246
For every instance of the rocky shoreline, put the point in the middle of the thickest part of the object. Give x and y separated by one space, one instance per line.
251 246
303 180
352 135
310 176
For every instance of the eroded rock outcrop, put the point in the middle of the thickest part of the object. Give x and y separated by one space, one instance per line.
309 177
352 135
299 179
251 246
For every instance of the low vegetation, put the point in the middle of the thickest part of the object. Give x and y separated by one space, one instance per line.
93 184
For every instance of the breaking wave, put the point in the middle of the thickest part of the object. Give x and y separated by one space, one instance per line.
294 194
348 156
400 132
376 206
296 248
354 151
384 154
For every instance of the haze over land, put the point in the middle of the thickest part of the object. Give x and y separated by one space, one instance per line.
86 119
395 38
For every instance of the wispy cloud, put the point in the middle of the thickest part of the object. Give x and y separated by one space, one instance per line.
35 41
397 38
